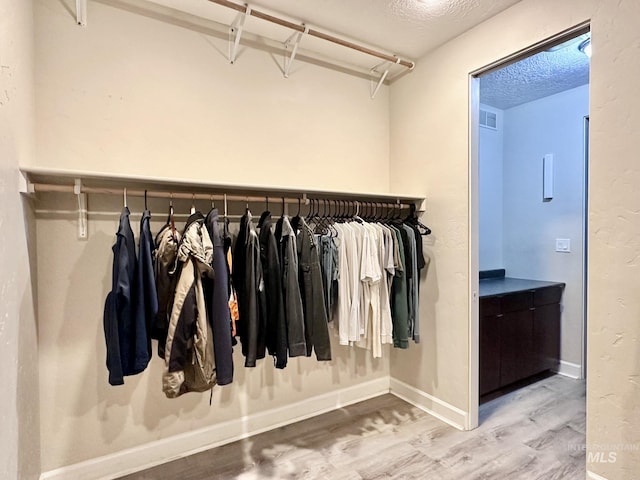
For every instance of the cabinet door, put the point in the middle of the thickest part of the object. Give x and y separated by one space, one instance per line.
546 337
489 353
516 346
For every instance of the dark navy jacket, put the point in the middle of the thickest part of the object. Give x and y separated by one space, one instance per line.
146 294
217 293
122 328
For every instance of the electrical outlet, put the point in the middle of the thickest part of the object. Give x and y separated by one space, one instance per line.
563 245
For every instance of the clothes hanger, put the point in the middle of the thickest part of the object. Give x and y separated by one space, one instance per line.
413 219
345 210
170 219
329 221
319 219
265 214
226 233
193 204
295 221
125 197
145 200
357 217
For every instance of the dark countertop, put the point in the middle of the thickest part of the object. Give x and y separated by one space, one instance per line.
499 286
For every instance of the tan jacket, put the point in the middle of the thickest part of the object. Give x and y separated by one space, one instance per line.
189 356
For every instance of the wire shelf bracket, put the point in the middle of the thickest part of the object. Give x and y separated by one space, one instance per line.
292 42
81 12
235 34
83 234
380 71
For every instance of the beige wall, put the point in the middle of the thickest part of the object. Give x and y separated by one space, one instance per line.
429 133
19 437
130 94
613 363
133 95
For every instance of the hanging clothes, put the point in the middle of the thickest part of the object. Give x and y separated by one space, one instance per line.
293 309
276 326
166 276
124 332
146 294
412 286
217 293
343 301
400 300
328 252
189 352
249 283
310 279
388 268
233 298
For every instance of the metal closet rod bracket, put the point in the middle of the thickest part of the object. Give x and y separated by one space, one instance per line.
294 40
235 33
382 76
82 209
81 12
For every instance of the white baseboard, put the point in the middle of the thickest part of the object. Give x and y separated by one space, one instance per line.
155 453
434 406
594 476
571 370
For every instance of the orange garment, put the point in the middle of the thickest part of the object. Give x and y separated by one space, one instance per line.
233 300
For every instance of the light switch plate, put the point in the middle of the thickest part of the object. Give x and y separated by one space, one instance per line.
563 245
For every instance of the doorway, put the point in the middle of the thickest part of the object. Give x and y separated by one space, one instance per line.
528 204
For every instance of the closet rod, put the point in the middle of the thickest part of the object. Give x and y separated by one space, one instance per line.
45 187
314 33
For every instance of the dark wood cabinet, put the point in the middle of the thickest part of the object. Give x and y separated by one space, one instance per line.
489 353
519 335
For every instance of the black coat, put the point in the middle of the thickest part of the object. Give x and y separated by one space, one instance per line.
293 311
310 277
249 284
276 334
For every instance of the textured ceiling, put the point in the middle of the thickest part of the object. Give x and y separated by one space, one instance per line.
535 77
407 28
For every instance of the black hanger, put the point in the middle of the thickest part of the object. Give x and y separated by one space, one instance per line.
265 214
145 200
295 221
413 219
170 219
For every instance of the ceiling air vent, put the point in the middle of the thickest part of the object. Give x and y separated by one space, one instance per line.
488 120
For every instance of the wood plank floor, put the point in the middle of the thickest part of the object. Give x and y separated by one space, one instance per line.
526 434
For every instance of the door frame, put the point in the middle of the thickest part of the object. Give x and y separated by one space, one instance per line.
585 246
474 210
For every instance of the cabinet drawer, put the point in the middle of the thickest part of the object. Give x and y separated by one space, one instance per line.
490 306
517 301
547 295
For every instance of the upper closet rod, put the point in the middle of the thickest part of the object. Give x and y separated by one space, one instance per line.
315 33
44 187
